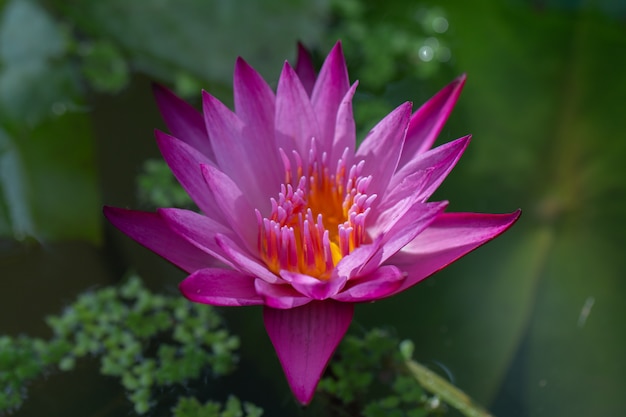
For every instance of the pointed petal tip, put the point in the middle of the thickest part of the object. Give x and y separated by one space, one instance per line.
241 65
465 140
303 55
515 215
408 107
117 214
305 339
287 72
108 210
161 136
162 92
158 88
336 49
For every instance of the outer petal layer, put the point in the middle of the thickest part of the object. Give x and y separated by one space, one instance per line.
233 204
220 287
240 156
330 88
185 161
295 119
440 159
449 237
379 284
314 288
345 130
428 120
305 339
280 296
305 69
183 121
150 230
382 147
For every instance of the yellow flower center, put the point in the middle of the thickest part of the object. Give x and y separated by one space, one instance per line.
317 220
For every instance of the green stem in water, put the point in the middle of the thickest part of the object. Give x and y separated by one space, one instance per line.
453 396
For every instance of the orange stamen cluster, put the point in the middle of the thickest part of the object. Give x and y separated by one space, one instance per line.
316 221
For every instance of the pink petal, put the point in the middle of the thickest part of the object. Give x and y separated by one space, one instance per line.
381 283
382 147
449 237
305 69
151 231
238 155
220 287
234 205
314 288
395 205
183 121
242 261
185 161
428 120
330 88
295 122
254 99
305 339
441 159
406 227
350 265
345 130
255 106
409 189
197 229
280 296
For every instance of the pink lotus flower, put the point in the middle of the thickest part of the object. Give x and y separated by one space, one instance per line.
296 219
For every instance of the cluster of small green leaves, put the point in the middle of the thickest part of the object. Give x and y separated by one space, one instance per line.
368 374
233 408
145 339
23 359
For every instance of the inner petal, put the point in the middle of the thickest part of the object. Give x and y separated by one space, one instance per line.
318 217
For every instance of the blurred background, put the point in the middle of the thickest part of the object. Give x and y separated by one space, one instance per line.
532 324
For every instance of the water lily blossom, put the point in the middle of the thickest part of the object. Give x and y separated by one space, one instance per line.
294 217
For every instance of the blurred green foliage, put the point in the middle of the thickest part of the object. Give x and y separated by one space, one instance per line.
46 149
23 359
157 187
233 408
168 39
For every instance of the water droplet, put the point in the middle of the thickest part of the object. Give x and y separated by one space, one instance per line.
426 53
440 24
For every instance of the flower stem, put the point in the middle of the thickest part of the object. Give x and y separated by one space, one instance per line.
435 384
